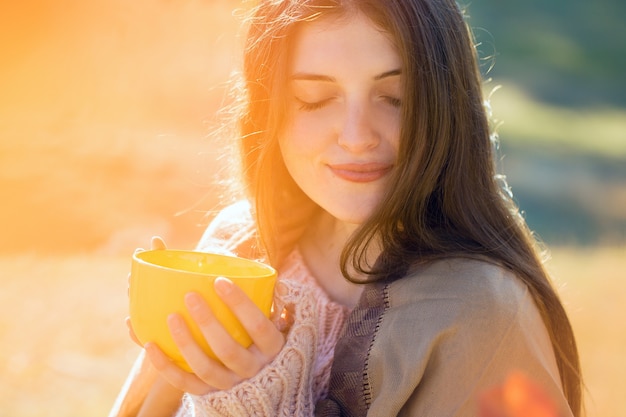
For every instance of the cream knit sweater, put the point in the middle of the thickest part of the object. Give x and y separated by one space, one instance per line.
298 377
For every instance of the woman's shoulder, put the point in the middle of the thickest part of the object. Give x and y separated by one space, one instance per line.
462 301
458 326
461 285
235 213
232 231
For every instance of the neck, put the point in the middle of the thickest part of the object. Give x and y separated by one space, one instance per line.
321 248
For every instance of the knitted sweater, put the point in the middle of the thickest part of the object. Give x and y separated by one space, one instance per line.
298 377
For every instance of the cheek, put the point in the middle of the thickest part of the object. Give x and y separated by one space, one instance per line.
307 133
390 121
294 147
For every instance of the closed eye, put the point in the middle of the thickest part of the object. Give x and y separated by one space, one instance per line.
307 106
393 101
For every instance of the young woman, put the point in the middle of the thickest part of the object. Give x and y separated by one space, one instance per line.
410 282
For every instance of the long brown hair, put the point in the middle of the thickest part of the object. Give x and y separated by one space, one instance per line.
446 199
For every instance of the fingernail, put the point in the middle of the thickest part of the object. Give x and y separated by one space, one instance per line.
281 289
156 242
223 286
153 354
175 323
193 301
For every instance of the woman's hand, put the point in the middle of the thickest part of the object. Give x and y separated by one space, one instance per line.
147 394
155 243
237 363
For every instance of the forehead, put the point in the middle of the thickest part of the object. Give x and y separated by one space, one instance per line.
351 40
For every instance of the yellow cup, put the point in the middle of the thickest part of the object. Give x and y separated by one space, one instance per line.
160 279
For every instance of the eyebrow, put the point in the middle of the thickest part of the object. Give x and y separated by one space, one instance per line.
388 74
303 76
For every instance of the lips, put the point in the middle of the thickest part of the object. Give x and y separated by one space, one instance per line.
366 172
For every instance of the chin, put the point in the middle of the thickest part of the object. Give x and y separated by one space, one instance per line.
355 215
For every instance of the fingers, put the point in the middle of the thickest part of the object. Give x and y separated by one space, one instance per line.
157 243
177 377
234 362
285 320
131 332
207 369
265 336
239 360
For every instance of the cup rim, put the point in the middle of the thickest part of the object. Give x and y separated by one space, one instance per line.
269 270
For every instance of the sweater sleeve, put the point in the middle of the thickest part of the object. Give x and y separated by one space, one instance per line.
231 232
284 387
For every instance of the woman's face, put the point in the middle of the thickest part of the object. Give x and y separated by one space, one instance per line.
345 94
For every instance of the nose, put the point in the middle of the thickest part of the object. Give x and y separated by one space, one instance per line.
357 133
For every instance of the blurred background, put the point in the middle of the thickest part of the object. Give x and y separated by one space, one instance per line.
106 109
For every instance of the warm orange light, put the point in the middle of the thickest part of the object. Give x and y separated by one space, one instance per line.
517 397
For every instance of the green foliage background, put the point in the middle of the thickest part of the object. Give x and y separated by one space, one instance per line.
567 52
562 102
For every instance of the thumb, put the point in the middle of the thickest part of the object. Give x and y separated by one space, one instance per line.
157 243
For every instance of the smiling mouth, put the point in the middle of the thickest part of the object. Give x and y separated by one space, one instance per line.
361 172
